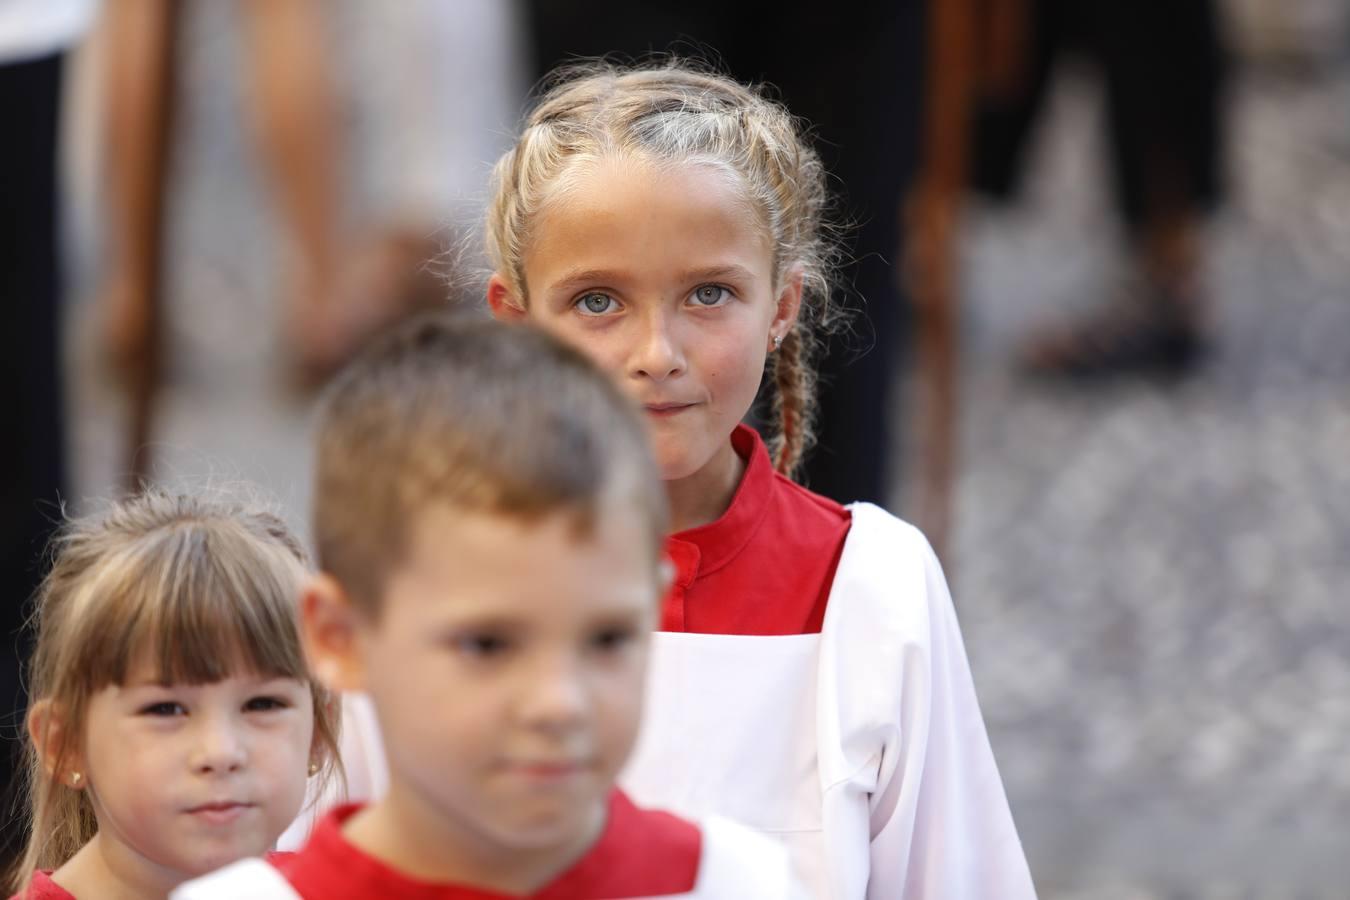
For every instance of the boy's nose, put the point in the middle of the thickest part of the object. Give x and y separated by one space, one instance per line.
556 699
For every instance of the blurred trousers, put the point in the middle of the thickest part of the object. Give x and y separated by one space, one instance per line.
32 468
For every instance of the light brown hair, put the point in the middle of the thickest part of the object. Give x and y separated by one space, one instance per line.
672 112
206 585
479 416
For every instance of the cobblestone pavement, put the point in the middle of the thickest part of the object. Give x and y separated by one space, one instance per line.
1152 582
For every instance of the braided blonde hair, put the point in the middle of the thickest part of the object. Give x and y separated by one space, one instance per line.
674 112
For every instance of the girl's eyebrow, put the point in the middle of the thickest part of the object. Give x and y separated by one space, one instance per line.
586 277
731 271
265 680
147 682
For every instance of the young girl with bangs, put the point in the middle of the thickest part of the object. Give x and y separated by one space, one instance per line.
810 678
174 726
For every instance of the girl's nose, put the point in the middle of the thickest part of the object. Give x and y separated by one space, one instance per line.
657 353
220 748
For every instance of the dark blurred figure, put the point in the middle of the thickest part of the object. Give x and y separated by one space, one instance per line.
852 69
1162 70
34 38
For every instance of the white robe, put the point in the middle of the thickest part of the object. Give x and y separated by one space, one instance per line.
861 748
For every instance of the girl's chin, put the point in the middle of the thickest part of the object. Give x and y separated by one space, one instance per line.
678 467
679 462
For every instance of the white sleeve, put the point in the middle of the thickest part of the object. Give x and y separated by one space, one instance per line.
940 823
248 879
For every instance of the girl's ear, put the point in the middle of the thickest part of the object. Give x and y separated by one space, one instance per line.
789 304
331 629
47 730
319 752
505 305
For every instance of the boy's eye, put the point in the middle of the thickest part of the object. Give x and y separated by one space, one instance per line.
164 708
265 704
612 639
595 304
709 296
482 645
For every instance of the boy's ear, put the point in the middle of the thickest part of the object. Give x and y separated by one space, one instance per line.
47 730
331 629
505 305
789 303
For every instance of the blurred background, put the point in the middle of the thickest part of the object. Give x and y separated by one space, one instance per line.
1101 255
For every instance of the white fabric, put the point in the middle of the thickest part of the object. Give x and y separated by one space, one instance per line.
248 879
33 28
861 749
738 864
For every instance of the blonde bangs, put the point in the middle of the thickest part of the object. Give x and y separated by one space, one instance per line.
192 603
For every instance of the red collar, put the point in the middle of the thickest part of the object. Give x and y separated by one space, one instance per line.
707 548
639 853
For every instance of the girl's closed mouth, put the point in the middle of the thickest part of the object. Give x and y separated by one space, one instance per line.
667 408
220 812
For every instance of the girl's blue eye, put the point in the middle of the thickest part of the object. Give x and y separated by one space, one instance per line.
595 304
709 296
165 708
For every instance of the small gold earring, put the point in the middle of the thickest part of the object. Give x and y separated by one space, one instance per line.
313 768
75 778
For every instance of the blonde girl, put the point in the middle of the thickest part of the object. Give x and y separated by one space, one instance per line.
174 724
810 678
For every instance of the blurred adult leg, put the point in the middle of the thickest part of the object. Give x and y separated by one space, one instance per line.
137 115
1162 67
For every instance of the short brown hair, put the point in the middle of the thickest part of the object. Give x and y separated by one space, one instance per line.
206 584
477 415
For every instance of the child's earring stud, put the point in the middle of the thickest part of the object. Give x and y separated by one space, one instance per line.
777 342
75 779
313 767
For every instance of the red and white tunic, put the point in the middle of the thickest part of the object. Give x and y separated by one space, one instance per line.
810 681
641 853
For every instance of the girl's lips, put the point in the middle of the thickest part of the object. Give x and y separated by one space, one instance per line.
666 409
221 813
